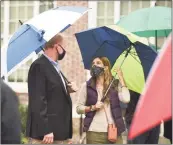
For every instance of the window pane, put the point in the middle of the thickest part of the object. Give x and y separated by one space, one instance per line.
100 9
12 27
13 2
13 14
110 8
2 3
11 78
145 4
19 75
30 2
30 12
100 22
21 12
29 62
42 8
124 7
169 4
45 5
22 3
135 5
110 21
160 3
25 75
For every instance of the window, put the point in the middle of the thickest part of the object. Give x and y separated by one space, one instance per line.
166 3
19 10
124 8
133 5
45 5
105 13
145 4
23 10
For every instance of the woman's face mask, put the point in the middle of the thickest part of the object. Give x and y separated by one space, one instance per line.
96 71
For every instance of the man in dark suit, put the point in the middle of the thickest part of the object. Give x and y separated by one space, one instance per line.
168 130
50 106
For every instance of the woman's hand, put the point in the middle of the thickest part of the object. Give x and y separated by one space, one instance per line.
99 105
118 71
120 75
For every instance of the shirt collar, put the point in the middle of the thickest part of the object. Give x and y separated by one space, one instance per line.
52 61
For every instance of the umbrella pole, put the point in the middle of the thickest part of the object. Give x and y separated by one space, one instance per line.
104 97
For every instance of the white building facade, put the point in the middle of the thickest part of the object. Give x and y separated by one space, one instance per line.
102 13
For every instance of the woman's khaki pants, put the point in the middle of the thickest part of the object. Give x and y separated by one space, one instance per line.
100 138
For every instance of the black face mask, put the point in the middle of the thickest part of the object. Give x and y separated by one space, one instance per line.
96 71
61 56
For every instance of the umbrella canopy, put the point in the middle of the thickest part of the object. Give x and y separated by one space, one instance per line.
156 100
116 46
144 22
148 22
30 38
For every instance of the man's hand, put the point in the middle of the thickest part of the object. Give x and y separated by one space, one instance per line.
72 87
70 141
48 139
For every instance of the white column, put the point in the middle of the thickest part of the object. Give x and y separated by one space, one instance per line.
129 6
117 7
36 12
152 3
152 39
36 8
92 21
92 14
55 4
6 21
6 26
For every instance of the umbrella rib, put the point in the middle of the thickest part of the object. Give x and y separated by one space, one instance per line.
135 58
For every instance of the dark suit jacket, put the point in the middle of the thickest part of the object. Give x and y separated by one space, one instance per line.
10 116
134 97
50 107
168 129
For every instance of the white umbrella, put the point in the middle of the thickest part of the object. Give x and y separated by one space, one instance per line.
30 38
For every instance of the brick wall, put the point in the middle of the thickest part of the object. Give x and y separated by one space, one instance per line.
72 65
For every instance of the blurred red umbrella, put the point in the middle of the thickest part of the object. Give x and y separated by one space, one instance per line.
155 102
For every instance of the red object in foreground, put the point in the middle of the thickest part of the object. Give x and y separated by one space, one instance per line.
156 101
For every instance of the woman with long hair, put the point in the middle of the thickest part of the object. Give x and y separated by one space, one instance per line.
101 113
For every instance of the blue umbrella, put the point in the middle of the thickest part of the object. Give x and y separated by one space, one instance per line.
30 38
117 47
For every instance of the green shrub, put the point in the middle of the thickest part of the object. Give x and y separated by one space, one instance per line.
23 114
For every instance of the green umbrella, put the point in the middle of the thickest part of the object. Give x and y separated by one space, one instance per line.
148 22
132 69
